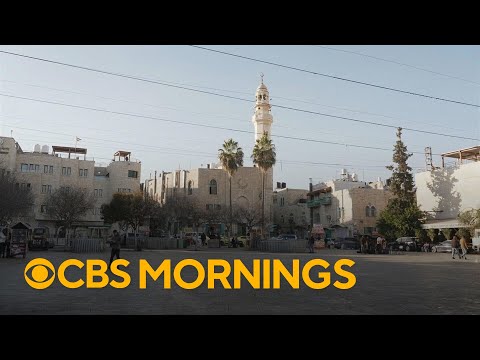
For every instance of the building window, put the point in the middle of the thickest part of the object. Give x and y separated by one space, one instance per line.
44 189
132 174
367 211
32 167
213 187
83 172
291 218
45 169
274 200
37 168
373 211
282 219
190 191
25 186
43 209
66 170
24 168
50 169
98 193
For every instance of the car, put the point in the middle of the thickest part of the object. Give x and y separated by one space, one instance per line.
405 243
287 237
348 243
245 240
444 246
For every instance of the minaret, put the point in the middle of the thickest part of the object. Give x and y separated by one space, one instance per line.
262 117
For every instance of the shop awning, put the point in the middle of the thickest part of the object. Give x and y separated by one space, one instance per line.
443 224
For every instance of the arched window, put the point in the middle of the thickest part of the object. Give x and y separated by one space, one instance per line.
213 187
367 211
189 191
282 219
373 211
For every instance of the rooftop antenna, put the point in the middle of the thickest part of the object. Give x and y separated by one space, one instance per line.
261 75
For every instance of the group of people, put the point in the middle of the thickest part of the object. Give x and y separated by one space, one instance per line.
458 245
380 245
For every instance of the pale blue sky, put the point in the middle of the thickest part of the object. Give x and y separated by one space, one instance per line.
166 146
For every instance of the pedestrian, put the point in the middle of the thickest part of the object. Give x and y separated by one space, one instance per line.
115 245
3 240
455 246
378 249
203 237
464 246
8 239
197 241
311 242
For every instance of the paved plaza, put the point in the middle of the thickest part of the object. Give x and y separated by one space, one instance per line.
413 283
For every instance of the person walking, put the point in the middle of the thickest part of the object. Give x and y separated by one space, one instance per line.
311 241
203 237
455 246
115 245
464 247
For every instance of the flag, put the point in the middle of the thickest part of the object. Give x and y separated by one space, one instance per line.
78 139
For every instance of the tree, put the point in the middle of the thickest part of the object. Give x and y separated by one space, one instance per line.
117 211
402 216
231 157
470 218
68 205
401 181
251 217
129 210
264 157
14 201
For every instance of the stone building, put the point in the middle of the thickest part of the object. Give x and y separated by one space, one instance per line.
346 207
208 186
43 171
290 212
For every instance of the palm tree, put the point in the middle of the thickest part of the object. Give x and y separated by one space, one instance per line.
231 157
264 157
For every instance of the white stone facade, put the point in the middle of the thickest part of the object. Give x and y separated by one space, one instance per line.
346 207
444 193
45 172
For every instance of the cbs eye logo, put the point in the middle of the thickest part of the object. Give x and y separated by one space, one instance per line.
39 274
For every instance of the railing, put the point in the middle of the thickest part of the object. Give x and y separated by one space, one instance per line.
285 246
327 200
85 245
157 243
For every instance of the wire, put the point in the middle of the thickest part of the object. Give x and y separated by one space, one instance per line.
399 63
217 127
338 78
232 97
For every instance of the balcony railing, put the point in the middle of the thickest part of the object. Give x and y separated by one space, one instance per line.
327 200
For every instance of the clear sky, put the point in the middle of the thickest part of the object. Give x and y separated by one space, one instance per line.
451 72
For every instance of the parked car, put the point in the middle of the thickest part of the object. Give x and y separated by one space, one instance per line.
347 243
405 243
444 246
40 239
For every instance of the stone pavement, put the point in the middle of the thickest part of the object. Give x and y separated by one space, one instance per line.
413 283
